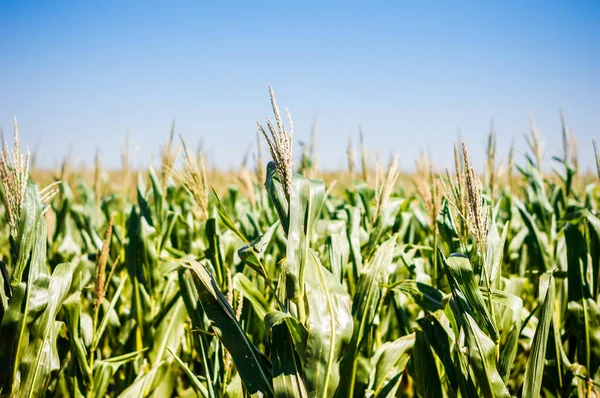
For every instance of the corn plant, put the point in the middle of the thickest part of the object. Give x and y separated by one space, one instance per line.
182 282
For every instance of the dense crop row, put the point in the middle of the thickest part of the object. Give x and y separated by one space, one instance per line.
280 286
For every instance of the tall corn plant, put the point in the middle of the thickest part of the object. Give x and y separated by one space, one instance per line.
466 331
282 288
32 294
312 322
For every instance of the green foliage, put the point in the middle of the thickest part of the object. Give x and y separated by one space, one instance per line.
306 295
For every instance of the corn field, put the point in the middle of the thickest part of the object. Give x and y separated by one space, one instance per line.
449 284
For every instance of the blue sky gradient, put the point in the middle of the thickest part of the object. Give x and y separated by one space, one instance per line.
410 73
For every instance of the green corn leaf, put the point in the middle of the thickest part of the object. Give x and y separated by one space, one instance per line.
383 224
462 282
534 370
169 333
72 307
41 358
538 243
594 250
339 254
105 369
5 289
257 299
368 295
447 228
235 388
159 204
287 373
509 324
226 219
578 286
106 318
26 321
481 352
353 232
366 304
253 367
297 331
389 363
427 378
138 274
306 200
142 386
250 253
277 195
441 343
190 297
214 252
15 335
30 255
329 328
581 307
196 383
427 297
143 202
495 252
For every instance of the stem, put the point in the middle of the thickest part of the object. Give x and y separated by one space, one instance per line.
300 304
207 372
330 359
490 299
435 260
352 377
93 349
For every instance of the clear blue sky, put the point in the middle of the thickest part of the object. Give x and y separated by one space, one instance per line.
411 74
